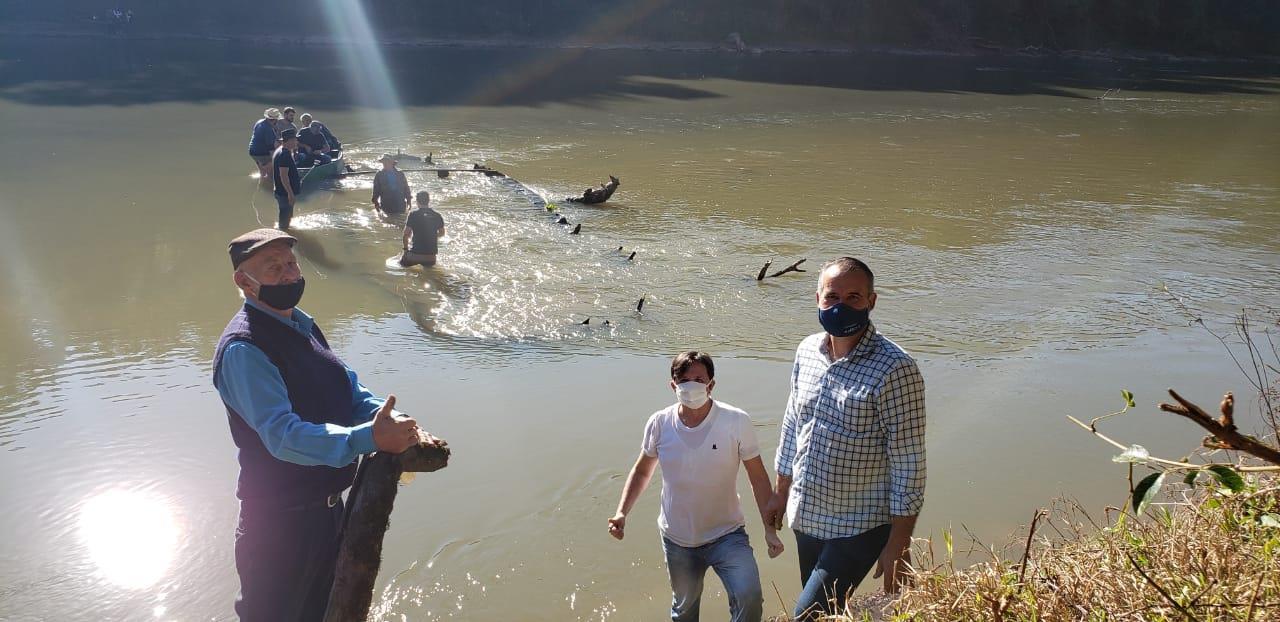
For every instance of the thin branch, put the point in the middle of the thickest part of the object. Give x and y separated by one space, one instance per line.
1172 463
1253 600
1163 593
1026 553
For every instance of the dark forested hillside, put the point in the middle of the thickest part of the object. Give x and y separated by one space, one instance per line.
1220 27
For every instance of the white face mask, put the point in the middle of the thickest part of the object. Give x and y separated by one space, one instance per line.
692 394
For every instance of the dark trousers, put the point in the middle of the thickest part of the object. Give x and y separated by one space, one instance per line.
286 212
285 560
831 569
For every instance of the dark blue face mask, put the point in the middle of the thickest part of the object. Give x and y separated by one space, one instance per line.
841 320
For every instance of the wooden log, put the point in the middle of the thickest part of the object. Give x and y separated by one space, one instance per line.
368 515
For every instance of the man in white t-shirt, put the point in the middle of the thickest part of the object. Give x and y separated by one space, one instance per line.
699 443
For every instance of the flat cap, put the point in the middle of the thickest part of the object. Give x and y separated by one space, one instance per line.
245 245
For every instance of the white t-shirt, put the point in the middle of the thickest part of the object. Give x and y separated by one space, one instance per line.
700 471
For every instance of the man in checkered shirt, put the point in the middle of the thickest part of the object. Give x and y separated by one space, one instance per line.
851 458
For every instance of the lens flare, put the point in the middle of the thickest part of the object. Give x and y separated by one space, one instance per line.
367 74
130 537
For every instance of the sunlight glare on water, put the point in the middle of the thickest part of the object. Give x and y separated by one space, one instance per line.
130 536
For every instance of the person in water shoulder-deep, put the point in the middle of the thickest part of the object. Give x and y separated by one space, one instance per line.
390 187
299 418
701 444
422 231
599 194
851 457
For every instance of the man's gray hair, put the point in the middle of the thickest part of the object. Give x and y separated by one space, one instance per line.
849 264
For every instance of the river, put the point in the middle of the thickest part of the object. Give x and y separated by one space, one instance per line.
1027 237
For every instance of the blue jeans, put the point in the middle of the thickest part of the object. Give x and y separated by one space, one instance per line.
286 212
831 569
731 557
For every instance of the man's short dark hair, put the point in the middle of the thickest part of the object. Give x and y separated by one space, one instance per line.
850 264
423 197
685 360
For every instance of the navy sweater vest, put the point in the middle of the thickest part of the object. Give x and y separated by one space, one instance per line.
320 392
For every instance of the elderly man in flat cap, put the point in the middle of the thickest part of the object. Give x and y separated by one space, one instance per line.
299 418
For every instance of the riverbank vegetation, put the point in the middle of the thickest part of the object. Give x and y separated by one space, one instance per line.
1186 27
1196 540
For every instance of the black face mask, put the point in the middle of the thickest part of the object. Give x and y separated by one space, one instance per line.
282 297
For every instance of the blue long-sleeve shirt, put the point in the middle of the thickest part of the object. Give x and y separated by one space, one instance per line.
263 141
252 386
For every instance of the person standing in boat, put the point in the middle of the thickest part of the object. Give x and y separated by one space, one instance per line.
263 142
701 444
422 231
390 187
299 417
288 183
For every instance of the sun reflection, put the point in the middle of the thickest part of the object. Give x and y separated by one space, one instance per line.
130 536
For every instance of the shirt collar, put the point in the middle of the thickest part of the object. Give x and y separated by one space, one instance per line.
864 346
300 321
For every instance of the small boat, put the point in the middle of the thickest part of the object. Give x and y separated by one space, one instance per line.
312 176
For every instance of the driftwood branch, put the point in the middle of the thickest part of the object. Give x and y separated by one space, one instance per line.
368 516
764 269
795 267
1223 430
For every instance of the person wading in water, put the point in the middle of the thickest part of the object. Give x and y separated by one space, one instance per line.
390 187
424 227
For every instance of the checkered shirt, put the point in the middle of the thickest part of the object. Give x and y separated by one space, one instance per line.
852 437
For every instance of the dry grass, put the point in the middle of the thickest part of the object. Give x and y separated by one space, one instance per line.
1208 556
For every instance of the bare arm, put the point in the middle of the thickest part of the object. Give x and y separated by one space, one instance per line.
760 487
637 481
288 186
408 234
896 555
763 493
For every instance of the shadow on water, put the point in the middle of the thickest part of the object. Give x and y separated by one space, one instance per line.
94 71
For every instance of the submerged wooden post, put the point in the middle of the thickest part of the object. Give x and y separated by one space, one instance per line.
368 515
